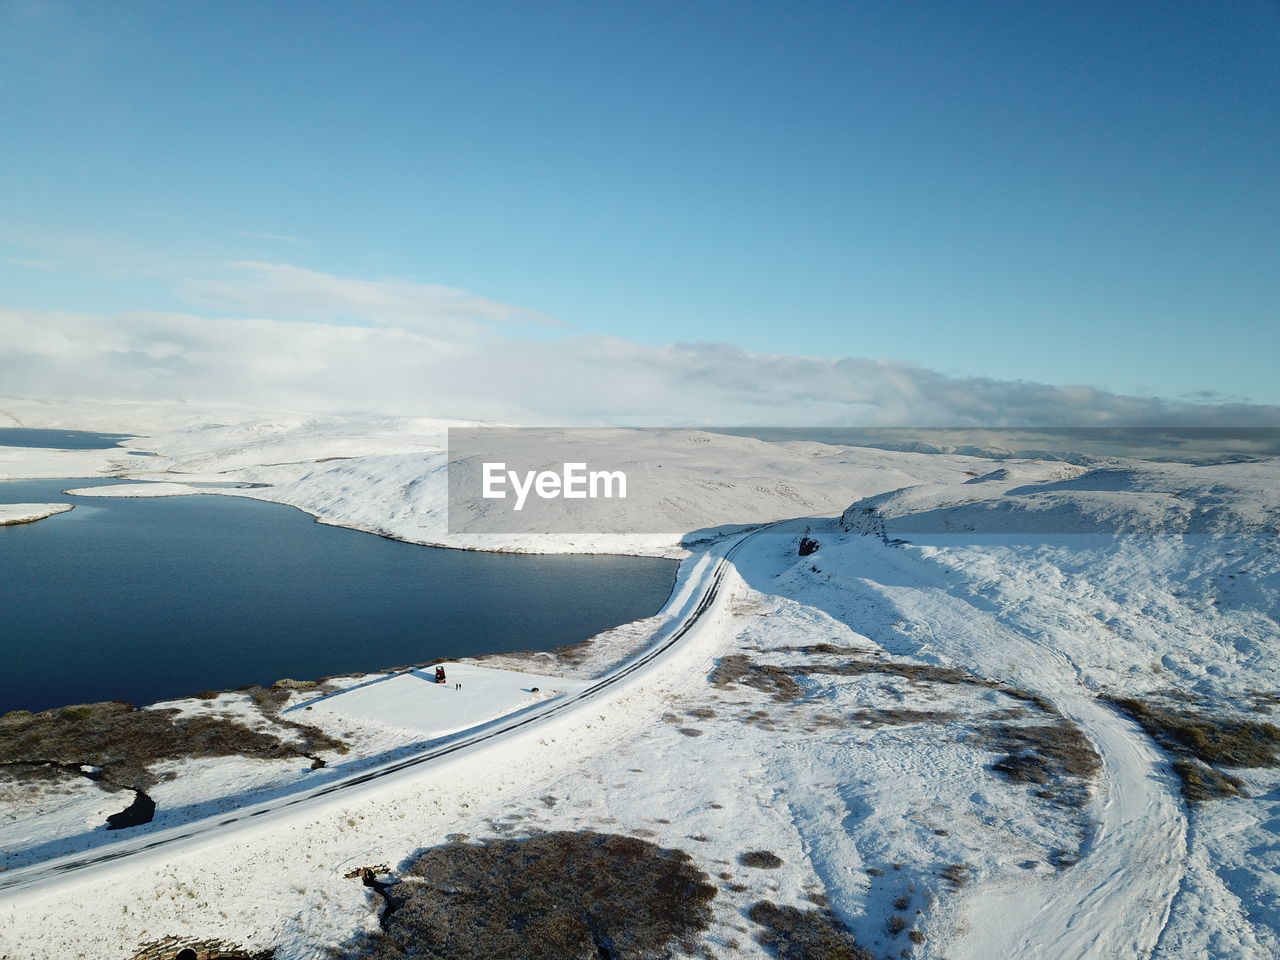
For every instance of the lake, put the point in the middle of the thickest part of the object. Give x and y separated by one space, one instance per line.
59 439
148 599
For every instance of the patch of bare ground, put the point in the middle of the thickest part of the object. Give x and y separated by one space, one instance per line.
914 672
900 716
768 678
1200 742
123 742
827 649
549 896
1263 701
795 934
957 874
760 859
179 948
759 718
1057 757
874 717
1201 782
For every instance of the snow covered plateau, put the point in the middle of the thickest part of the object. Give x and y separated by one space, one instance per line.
957 707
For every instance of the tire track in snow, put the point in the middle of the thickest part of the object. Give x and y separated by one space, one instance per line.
1115 902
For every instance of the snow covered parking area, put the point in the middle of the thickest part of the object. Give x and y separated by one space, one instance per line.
412 701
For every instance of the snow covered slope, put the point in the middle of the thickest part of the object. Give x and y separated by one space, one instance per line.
1154 581
389 476
1052 498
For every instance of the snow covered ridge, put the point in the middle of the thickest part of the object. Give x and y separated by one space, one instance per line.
1049 498
11 513
389 476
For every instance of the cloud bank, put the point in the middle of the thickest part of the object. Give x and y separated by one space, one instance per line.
297 339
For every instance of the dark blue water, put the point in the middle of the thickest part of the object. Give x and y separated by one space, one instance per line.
59 439
146 599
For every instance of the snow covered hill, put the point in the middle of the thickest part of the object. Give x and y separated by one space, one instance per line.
390 476
1036 497
1157 582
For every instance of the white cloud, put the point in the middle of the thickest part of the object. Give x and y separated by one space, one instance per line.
30 263
287 292
280 237
310 341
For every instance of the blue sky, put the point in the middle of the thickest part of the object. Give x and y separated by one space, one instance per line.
1066 194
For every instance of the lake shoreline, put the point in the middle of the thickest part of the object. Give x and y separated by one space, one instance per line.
224 592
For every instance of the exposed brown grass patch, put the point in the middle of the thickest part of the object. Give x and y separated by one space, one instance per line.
1044 754
759 718
776 681
795 934
1263 701
550 896
780 683
760 859
1200 741
268 699
914 672
1026 696
1225 741
901 716
1201 782
827 649
126 742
